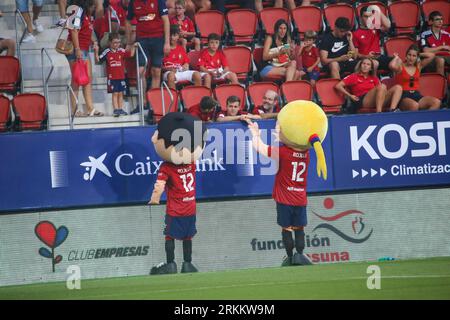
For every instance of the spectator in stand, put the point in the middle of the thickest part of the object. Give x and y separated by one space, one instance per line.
62 5
22 6
114 57
407 76
337 52
8 45
192 6
82 39
367 39
278 54
206 110
212 61
176 64
364 89
269 108
153 34
279 4
310 57
187 29
437 41
234 112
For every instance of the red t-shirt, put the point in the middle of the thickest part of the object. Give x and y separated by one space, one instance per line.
429 40
310 57
115 64
148 16
197 112
290 181
180 188
212 61
260 110
176 58
186 24
85 33
359 85
367 40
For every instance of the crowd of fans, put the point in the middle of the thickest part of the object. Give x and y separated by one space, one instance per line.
166 32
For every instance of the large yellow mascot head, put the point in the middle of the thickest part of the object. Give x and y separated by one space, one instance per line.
303 125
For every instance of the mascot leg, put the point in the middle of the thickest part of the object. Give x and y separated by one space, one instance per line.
187 257
288 242
170 266
299 257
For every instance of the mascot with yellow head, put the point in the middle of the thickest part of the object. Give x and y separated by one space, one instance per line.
301 125
179 140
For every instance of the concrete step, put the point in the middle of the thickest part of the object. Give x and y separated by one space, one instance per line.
56 83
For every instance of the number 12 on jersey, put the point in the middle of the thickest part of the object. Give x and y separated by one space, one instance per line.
188 181
298 168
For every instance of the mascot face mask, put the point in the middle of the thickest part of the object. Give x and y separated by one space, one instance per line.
303 124
179 138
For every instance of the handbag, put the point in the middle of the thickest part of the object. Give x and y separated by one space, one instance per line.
80 75
64 46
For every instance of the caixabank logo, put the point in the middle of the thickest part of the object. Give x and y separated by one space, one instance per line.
52 238
355 230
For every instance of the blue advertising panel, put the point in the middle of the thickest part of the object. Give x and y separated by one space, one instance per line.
391 150
118 165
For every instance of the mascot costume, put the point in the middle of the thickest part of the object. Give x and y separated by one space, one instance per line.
179 140
301 125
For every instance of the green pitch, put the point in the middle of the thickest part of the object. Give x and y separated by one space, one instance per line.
408 279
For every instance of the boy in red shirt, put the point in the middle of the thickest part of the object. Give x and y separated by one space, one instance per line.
212 60
205 110
176 176
310 57
187 29
115 68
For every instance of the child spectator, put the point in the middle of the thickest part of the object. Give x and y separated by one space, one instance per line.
115 68
234 112
212 60
310 57
176 64
206 110
187 29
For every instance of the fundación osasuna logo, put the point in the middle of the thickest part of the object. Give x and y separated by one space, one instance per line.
358 226
52 238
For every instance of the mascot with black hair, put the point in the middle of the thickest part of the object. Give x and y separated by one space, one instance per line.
179 140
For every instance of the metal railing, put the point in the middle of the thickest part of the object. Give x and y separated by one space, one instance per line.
45 80
19 43
164 85
139 82
71 115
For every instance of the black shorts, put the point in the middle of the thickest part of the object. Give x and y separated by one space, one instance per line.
291 216
116 86
180 228
354 106
344 66
414 95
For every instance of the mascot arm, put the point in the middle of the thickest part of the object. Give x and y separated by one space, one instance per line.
321 163
258 144
157 191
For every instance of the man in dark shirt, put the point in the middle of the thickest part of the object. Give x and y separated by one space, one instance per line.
337 52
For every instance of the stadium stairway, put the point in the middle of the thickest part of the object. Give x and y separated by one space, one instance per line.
60 78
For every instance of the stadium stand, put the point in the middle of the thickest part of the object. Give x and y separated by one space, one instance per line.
296 90
161 102
5 113
405 17
306 18
222 92
443 6
30 112
10 74
239 60
330 99
257 90
398 45
191 95
268 17
209 21
334 11
242 27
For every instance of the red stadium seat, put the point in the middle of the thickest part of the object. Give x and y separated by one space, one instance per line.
242 26
330 98
433 84
209 21
257 90
192 95
223 91
239 60
30 111
442 6
269 16
398 45
193 59
9 74
5 113
296 90
131 71
405 16
306 18
334 11
155 97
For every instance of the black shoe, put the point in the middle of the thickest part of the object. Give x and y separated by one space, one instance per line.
301 260
164 268
188 267
287 261
135 110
